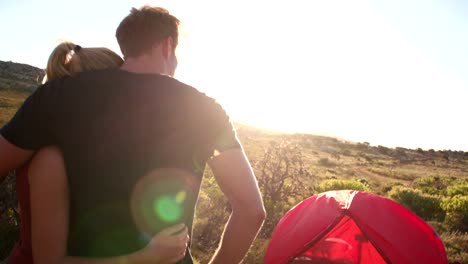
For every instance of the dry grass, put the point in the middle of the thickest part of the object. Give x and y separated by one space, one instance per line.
10 101
328 158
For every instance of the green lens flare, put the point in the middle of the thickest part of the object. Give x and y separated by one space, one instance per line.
167 208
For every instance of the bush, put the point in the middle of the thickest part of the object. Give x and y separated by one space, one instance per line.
456 245
325 162
424 205
440 227
387 187
456 209
384 150
9 235
212 212
9 218
432 185
346 152
335 184
257 251
283 180
458 188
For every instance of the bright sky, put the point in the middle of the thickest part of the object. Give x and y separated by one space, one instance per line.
392 73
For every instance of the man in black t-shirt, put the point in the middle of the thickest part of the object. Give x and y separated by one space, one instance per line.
133 140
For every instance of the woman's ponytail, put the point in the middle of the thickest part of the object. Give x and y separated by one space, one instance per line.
68 59
58 59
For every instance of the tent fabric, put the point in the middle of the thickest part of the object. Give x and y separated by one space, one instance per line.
345 242
353 227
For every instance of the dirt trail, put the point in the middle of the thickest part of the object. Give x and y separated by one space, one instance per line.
362 172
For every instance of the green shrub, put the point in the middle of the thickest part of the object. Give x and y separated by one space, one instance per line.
384 150
440 227
456 245
211 213
424 205
325 162
432 185
9 218
456 209
9 235
257 251
387 187
346 152
335 184
458 187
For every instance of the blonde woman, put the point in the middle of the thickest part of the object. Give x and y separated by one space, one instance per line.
42 186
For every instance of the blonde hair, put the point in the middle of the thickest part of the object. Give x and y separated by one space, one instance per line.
143 28
68 59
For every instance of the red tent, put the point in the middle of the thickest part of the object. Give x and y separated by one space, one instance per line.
353 227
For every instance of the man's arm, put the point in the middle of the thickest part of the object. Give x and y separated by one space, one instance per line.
11 157
237 181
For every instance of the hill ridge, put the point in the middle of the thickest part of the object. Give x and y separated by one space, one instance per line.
20 76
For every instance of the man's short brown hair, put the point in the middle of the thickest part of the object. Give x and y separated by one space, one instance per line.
143 28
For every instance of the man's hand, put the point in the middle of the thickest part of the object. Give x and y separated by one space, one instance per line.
168 246
11 157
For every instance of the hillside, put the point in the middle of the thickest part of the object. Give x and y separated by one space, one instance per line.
19 76
16 82
292 167
433 184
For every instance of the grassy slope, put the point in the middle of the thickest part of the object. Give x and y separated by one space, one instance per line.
381 167
330 158
351 160
10 101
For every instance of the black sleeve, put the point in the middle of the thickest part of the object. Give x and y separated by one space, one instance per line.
31 127
219 133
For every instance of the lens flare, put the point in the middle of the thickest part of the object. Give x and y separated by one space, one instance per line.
164 197
167 208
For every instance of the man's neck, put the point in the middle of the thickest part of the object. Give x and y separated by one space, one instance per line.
144 64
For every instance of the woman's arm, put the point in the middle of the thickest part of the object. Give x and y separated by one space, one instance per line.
49 220
11 157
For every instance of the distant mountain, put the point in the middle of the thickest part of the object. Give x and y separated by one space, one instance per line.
20 76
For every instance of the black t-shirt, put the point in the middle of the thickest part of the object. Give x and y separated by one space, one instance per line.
135 148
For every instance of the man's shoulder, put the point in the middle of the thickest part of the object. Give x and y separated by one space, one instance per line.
94 75
189 91
70 87
124 78
68 81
